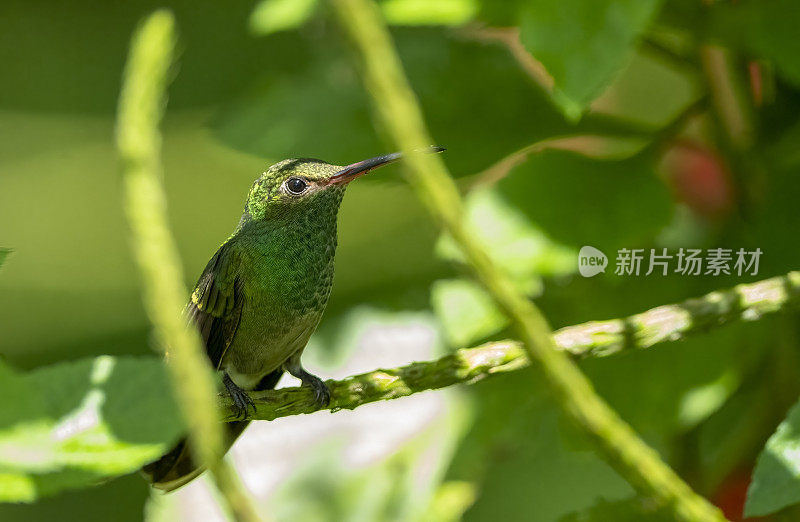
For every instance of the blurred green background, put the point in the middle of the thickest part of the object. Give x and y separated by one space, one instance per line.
615 124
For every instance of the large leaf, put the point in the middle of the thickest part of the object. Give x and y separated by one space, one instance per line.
776 480
512 240
466 312
579 201
583 44
678 386
519 451
73 424
517 246
471 92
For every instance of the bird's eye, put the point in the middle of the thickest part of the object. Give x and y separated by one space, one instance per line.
296 186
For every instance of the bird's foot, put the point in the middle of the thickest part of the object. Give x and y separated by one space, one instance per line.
322 394
241 399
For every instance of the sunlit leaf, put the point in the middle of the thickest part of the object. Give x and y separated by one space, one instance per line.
700 402
429 12
466 312
271 16
682 386
77 423
451 500
583 44
512 240
776 479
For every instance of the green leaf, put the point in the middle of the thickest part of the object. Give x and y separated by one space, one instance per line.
271 16
583 44
776 479
467 313
766 28
679 388
773 27
429 12
319 108
73 424
581 201
212 39
516 433
512 240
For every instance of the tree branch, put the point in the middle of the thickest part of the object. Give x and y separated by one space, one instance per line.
677 321
659 325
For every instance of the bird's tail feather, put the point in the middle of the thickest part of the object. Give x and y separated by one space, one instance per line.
177 467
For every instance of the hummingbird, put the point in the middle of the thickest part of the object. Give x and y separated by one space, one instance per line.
263 292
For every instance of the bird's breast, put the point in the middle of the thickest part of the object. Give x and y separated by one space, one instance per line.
285 292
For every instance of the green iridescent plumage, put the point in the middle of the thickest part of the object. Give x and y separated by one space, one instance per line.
262 294
264 291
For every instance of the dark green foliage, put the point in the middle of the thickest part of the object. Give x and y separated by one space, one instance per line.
502 109
582 44
598 209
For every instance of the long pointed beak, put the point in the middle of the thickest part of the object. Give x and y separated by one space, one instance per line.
351 172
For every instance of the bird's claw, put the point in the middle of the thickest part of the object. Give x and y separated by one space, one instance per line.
322 394
242 402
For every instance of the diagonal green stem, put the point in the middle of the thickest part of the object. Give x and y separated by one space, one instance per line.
141 108
399 112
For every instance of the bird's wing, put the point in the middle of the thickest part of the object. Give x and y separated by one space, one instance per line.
216 303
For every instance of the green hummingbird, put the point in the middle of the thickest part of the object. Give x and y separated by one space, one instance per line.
263 292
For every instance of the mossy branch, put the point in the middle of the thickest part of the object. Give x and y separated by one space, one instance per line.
659 325
398 111
141 108
677 321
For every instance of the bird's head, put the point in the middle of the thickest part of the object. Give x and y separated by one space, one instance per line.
298 186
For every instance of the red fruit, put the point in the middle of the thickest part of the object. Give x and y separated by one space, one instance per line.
700 179
731 495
